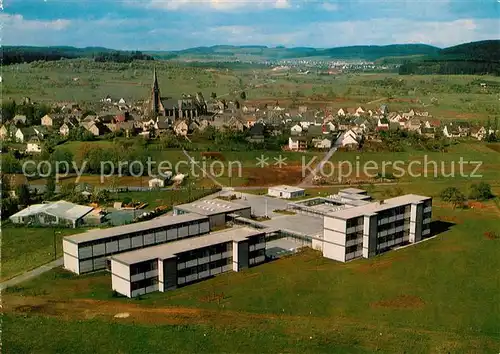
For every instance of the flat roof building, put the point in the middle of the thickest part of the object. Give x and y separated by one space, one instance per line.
373 228
87 252
217 210
286 192
168 266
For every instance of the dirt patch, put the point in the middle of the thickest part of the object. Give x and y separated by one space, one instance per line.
491 235
400 302
494 147
267 176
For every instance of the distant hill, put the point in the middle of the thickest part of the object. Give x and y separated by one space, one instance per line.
477 58
373 52
369 53
27 54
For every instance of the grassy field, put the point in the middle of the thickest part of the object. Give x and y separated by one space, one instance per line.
26 248
445 97
304 303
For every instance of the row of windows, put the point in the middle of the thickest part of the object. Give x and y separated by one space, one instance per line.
354 236
143 267
354 248
141 233
393 237
205 252
399 210
144 283
354 222
257 253
398 223
127 243
204 267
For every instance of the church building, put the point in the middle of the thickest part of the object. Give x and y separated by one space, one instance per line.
187 107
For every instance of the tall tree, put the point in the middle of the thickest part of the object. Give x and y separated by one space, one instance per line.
23 194
50 187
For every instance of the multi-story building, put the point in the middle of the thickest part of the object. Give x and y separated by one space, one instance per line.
168 266
370 229
88 251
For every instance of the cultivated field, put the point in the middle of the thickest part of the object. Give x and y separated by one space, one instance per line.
445 97
439 296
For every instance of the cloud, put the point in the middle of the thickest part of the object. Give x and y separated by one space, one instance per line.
329 6
220 5
13 23
346 33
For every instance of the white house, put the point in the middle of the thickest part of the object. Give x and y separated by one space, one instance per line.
297 143
360 111
478 133
64 129
324 143
296 129
34 145
451 132
348 138
341 112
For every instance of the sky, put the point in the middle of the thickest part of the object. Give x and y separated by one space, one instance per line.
179 24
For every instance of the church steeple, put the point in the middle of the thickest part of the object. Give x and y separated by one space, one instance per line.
155 99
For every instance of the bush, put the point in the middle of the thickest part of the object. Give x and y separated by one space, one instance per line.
480 191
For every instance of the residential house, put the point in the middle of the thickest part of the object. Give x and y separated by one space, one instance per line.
47 121
235 124
64 129
249 109
464 129
34 145
451 131
19 119
322 143
348 139
24 134
410 114
296 129
342 112
383 123
478 133
384 109
67 126
4 132
316 131
435 123
359 111
428 132
330 126
96 128
413 125
181 128
256 133
297 143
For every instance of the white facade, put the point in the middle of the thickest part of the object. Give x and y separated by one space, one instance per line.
376 227
164 268
88 251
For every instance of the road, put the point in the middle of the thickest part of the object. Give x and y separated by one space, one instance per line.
31 274
306 182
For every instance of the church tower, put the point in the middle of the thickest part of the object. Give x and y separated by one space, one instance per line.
155 95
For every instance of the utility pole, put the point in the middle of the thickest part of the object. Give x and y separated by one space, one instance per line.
266 207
